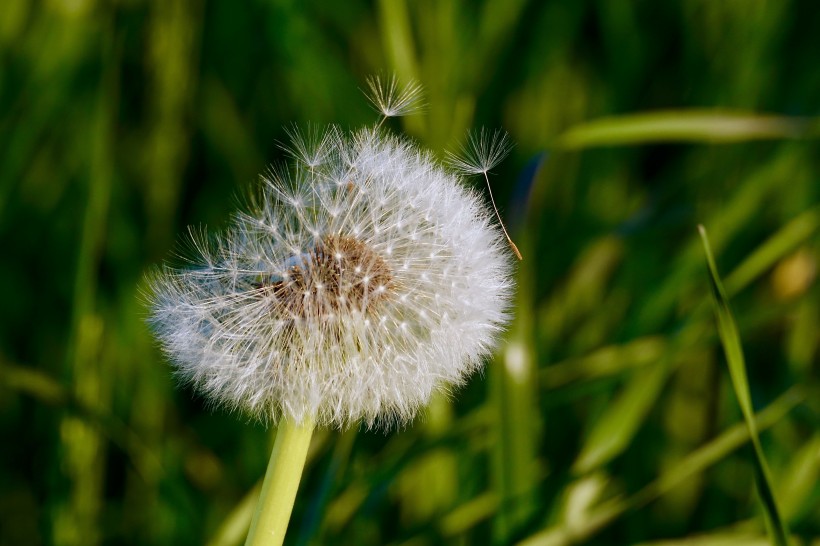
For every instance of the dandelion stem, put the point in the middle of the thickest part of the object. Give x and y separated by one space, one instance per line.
270 520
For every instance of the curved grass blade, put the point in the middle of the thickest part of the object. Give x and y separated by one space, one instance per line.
612 434
730 338
235 526
696 125
566 534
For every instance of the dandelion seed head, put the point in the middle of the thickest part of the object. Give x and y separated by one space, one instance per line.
339 303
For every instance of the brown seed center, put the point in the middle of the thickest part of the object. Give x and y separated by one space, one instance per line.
340 274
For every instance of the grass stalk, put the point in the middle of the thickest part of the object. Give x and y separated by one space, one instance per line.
730 338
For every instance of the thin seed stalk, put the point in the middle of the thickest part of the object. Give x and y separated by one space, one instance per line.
287 460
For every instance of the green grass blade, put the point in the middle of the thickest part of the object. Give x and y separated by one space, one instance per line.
397 34
513 402
730 338
564 534
607 361
708 126
235 526
780 244
719 538
612 434
801 483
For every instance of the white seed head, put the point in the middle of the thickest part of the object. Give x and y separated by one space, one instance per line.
362 278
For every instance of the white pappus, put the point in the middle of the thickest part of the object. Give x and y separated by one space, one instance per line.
363 277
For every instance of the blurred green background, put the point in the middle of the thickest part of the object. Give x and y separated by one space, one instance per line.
607 416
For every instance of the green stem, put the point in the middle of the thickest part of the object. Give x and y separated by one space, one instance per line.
270 520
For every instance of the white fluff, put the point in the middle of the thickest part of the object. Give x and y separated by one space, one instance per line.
276 322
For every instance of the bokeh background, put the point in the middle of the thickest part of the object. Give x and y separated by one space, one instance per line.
607 416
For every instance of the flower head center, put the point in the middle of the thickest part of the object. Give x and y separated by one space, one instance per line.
339 274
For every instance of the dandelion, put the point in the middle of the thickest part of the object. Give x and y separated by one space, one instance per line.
362 278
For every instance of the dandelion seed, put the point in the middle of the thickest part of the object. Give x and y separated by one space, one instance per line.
393 100
483 152
312 145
